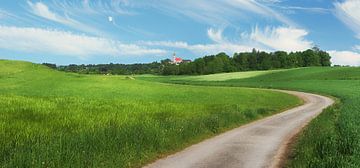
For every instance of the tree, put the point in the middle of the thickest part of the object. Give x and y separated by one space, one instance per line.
281 58
214 66
52 66
228 65
253 60
266 63
241 61
324 58
275 61
171 69
311 58
200 66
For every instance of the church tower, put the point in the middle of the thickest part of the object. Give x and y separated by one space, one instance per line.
174 57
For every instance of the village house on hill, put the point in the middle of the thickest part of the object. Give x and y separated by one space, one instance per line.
178 60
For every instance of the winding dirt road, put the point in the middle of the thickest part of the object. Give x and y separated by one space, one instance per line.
258 144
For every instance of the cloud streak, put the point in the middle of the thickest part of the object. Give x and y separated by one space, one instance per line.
349 13
40 9
282 38
5 14
201 49
215 12
36 40
269 39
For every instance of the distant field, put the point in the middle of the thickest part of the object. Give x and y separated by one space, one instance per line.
55 119
211 77
333 138
229 76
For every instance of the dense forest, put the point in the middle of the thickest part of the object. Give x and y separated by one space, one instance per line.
244 61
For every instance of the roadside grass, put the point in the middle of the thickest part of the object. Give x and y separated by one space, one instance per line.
55 119
333 138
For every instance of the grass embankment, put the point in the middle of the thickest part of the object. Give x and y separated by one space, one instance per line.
55 119
333 138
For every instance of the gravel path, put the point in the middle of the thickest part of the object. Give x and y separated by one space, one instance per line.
258 144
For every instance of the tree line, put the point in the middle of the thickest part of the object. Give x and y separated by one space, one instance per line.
114 69
244 61
248 61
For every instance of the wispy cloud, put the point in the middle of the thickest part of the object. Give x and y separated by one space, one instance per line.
345 58
217 12
42 10
6 14
268 39
262 9
357 47
270 1
282 38
3 14
348 11
216 35
306 9
114 7
200 49
36 40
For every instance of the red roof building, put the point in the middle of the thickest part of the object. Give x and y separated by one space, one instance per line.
178 60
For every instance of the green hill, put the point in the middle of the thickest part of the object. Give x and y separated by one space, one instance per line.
333 138
55 119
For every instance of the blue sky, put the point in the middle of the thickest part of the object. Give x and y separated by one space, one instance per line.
128 31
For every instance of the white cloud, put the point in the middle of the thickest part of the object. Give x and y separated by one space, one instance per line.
113 7
282 38
345 58
201 49
230 48
36 40
212 12
357 47
172 44
220 44
349 12
270 1
269 39
215 35
292 9
216 12
42 10
256 7
6 14
2 14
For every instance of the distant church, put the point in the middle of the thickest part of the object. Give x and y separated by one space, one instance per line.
178 60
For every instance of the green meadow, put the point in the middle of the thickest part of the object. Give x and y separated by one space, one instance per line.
330 140
56 119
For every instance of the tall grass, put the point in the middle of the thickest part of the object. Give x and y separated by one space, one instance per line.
333 138
53 119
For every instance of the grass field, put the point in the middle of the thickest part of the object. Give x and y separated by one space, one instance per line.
333 138
221 76
54 119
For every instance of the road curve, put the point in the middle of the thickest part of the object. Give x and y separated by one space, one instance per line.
258 144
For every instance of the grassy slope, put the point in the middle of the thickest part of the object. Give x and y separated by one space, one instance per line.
225 76
55 119
211 77
333 138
